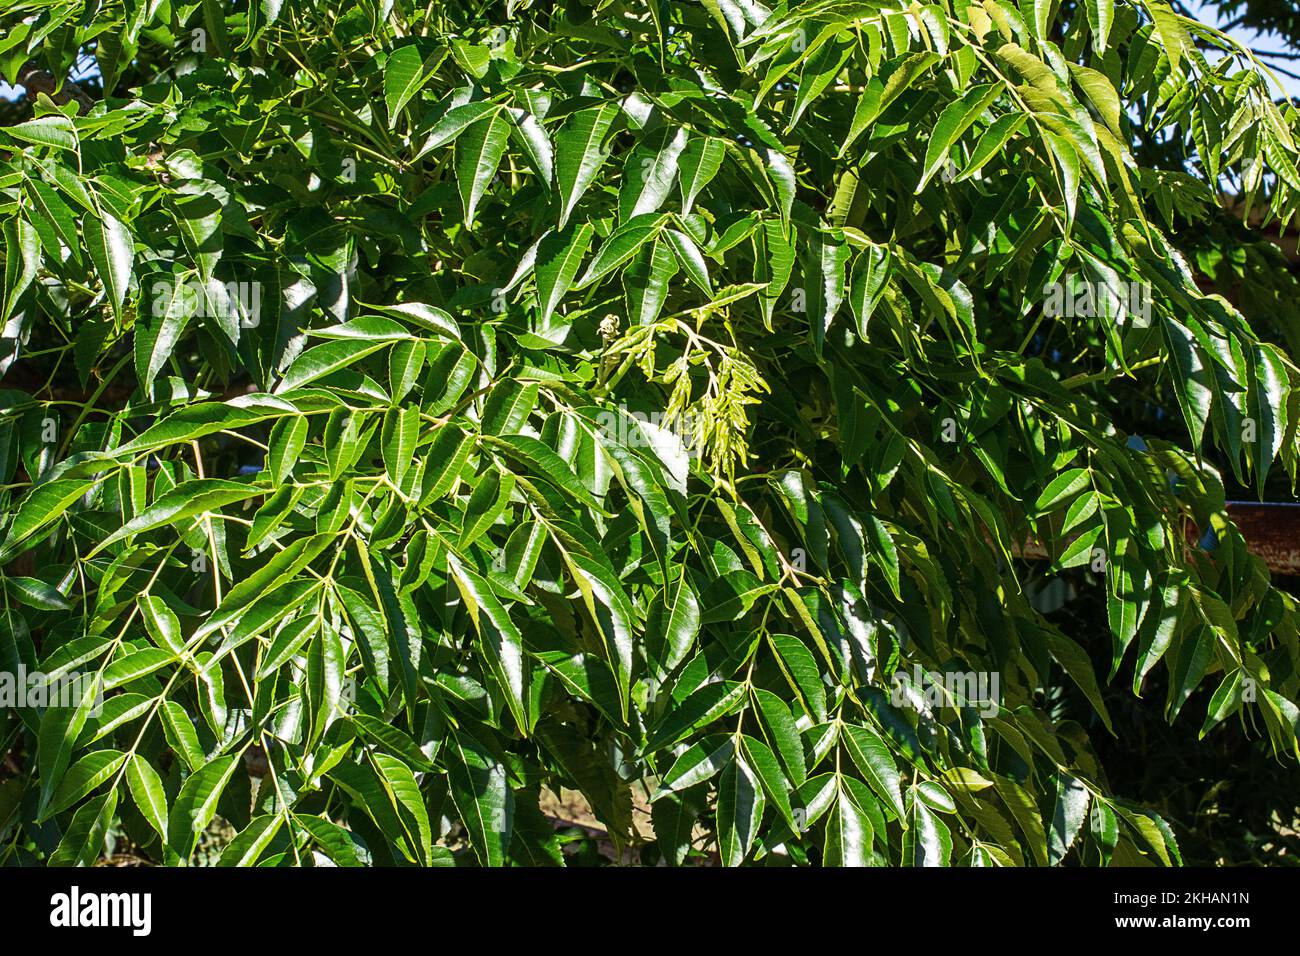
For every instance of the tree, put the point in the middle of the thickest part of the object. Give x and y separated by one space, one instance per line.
1268 17
410 407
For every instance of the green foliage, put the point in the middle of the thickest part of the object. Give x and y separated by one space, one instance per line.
411 407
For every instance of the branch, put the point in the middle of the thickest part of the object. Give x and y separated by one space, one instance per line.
36 80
